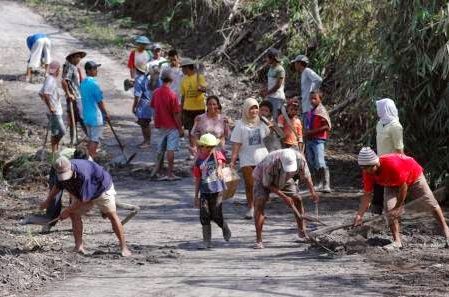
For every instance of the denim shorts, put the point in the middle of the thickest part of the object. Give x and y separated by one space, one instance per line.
95 133
57 127
170 140
315 153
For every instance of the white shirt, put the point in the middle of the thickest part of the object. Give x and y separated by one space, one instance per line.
309 82
252 150
177 79
50 88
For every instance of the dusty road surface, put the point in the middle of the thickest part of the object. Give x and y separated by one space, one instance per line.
165 235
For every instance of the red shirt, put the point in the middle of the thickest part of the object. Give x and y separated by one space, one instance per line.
395 170
221 159
165 104
318 122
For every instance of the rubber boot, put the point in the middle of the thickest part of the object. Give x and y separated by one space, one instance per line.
207 235
318 179
226 232
327 180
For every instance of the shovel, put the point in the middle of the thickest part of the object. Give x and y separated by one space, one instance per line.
125 159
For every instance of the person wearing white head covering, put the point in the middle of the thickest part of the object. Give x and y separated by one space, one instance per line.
389 139
248 146
389 136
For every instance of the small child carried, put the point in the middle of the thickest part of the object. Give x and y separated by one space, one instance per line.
209 186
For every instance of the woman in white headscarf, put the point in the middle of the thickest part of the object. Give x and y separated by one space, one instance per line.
248 146
389 139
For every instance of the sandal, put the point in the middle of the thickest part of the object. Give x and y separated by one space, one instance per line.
162 178
392 246
173 178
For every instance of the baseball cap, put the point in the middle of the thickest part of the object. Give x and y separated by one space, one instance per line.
274 53
156 46
63 168
300 58
288 161
90 65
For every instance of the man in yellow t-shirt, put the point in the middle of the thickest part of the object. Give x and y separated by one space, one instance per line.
193 88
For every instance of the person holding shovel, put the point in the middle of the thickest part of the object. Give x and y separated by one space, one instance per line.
276 174
400 175
89 185
71 81
94 108
50 95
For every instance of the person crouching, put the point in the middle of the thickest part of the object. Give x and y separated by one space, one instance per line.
209 186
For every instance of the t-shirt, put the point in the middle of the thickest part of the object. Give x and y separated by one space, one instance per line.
72 74
289 135
389 138
139 58
160 62
270 171
165 104
88 182
91 95
206 168
216 126
141 87
193 99
252 149
318 122
309 82
33 38
176 83
50 88
274 74
395 170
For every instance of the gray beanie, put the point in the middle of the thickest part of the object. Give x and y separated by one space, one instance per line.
367 157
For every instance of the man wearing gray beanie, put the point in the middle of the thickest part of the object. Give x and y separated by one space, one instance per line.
400 175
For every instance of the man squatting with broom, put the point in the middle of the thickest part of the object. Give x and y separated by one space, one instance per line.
89 184
277 173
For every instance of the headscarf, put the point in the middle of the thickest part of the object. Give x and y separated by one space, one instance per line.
247 104
387 111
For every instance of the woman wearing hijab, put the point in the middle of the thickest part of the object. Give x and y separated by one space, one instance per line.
248 147
389 139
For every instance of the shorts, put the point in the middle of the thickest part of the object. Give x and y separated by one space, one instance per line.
261 192
56 125
170 140
419 190
95 133
188 118
144 123
105 203
40 52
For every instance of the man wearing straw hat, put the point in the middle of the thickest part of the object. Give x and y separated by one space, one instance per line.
400 175
276 174
71 81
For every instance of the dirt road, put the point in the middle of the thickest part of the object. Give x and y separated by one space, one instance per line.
165 234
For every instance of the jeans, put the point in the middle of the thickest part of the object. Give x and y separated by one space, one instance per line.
315 153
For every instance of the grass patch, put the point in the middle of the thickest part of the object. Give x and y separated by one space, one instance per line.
12 127
103 34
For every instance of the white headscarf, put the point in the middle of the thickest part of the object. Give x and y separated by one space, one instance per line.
387 111
246 118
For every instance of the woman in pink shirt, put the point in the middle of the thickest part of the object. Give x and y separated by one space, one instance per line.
400 175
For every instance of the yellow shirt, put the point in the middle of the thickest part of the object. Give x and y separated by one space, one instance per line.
193 99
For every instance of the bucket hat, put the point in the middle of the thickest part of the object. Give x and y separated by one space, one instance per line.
208 140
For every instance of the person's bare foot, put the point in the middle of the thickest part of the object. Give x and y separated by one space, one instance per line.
126 252
79 250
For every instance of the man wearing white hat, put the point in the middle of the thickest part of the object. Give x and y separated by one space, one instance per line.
276 174
400 175
89 185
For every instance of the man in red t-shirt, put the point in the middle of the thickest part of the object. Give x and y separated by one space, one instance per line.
399 174
167 118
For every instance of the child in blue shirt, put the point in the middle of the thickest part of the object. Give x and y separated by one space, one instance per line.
209 186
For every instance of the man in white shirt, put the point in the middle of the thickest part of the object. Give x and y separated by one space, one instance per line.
276 80
176 71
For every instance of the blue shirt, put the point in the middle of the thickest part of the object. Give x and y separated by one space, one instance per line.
33 38
91 95
88 182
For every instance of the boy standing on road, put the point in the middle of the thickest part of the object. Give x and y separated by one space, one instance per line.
39 45
50 95
89 185
209 186
316 134
167 119
94 109
71 81
276 80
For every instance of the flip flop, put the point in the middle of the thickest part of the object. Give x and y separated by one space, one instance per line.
163 178
392 247
173 178
258 246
